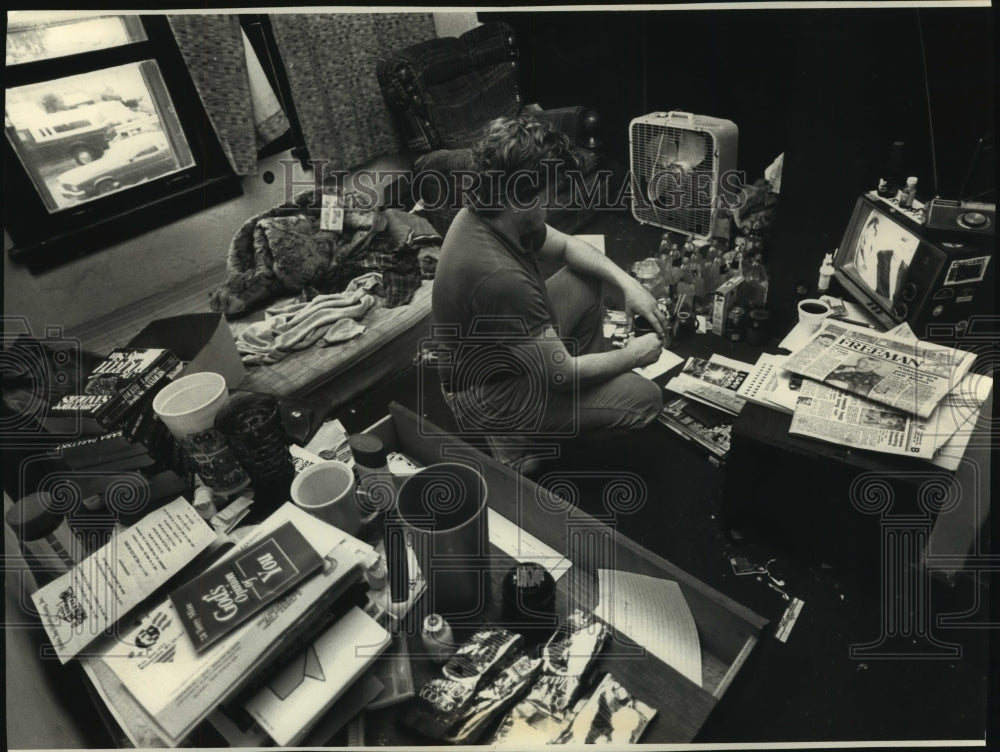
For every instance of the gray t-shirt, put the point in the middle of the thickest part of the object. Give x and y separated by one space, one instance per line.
490 293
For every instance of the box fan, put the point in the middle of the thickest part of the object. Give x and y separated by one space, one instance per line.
677 161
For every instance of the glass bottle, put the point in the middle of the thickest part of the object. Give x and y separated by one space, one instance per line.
755 281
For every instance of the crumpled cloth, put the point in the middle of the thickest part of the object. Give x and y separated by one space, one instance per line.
283 251
324 320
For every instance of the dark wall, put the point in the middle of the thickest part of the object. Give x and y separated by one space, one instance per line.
830 88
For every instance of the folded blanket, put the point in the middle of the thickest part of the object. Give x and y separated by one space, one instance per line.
324 320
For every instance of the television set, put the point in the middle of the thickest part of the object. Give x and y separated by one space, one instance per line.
889 263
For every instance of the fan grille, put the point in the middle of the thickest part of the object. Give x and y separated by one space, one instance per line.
663 196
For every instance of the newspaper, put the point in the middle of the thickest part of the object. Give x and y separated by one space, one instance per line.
903 373
823 412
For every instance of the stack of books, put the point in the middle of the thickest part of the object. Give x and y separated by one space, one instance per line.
117 428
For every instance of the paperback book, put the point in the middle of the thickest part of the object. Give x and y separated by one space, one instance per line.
214 604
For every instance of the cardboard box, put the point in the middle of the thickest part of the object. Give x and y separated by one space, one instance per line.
727 295
727 631
203 341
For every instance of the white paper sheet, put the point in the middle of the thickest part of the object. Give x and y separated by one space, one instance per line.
666 361
524 547
79 606
652 612
292 702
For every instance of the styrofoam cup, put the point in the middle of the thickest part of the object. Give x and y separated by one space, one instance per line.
326 491
188 407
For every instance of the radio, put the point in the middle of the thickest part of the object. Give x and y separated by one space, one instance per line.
963 218
902 271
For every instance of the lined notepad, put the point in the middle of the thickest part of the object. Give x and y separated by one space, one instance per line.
654 613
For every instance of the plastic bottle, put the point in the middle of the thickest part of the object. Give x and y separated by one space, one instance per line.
436 634
908 193
376 487
825 274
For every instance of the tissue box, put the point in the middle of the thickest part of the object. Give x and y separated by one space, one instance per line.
203 341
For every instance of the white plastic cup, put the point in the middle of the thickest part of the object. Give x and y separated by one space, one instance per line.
812 312
326 491
188 407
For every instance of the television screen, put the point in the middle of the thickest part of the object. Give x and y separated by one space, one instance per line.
881 256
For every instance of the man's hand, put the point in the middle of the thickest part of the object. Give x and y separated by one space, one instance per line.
645 349
639 300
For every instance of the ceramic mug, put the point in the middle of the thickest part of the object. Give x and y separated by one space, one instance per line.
812 312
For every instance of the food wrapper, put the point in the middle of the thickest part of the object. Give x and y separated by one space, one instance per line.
546 710
609 716
442 701
483 652
492 699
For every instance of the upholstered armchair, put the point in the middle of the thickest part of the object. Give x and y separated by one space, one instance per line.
444 91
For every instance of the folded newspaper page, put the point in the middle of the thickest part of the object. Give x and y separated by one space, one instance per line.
903 373
823 412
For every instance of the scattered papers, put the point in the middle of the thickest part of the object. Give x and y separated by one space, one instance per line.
79 606
652 612
330 443
666 361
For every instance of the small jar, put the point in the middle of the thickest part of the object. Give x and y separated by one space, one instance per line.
47 542
735 323
376 487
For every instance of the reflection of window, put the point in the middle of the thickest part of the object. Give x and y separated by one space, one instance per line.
102 124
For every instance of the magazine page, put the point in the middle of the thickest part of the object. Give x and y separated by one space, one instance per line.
909 375
714 382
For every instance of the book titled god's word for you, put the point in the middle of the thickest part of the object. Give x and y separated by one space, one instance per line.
213 604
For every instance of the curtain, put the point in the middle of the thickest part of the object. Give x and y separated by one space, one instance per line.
212 47
330 62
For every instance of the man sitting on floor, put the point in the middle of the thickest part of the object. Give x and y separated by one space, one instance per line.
523 358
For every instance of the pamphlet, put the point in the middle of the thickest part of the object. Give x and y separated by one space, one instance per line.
221 599
82 604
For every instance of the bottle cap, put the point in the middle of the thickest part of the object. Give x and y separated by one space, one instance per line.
911 182
32 517
367 450
433 624
529 593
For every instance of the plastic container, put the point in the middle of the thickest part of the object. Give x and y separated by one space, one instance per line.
436 634
825 274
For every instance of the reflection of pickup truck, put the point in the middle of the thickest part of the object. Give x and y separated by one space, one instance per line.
71 133
126 162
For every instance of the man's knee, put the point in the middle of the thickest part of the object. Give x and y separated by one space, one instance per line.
648 402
